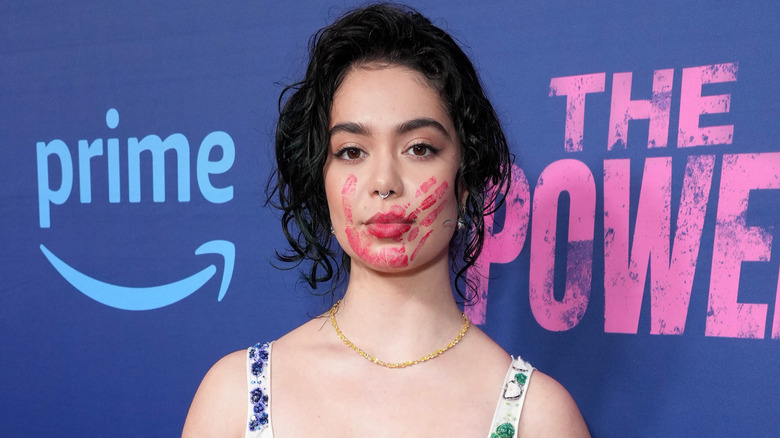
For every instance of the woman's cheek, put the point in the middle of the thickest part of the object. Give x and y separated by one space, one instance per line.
424 187
420 245
431 206
347 193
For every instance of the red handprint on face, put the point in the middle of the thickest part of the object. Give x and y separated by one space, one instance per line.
394 224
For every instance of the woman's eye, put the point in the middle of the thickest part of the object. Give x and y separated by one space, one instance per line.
421 150
350 153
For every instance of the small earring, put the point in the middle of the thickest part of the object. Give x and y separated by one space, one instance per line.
332 231
461 224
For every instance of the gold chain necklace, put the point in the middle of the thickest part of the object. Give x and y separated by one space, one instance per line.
408 363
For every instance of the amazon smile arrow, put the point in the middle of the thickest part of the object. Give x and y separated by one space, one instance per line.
148 298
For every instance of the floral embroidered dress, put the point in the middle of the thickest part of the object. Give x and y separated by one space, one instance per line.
505 419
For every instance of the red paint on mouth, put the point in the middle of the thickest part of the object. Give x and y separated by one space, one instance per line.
391 217
386 224
390 225
393 224
388 230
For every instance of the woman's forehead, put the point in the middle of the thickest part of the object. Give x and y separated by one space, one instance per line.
384 93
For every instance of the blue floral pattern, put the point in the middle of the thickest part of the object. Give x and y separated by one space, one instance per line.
258 357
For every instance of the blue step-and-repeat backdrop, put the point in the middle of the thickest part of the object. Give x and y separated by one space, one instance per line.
635 260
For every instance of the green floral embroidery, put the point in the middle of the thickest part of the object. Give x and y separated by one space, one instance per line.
505 430
521 378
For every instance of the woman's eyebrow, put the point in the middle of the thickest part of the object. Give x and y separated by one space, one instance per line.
422 122
403 128
350 128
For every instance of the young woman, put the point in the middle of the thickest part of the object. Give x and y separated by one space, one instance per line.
390 147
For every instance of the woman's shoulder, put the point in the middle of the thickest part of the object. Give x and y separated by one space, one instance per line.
550 411
219 407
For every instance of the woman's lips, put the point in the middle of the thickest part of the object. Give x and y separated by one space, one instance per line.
388 225
388 231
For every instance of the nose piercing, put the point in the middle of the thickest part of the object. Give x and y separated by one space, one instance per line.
384 195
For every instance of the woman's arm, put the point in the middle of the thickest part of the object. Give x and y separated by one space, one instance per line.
219 408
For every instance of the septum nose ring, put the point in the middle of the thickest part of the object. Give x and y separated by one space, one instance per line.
384 195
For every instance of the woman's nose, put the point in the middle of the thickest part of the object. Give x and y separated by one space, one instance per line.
386 180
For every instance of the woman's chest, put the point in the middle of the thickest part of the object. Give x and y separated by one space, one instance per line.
359 405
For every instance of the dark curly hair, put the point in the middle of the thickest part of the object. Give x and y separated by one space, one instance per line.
395 35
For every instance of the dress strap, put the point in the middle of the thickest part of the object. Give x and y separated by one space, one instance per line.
510 405
258 371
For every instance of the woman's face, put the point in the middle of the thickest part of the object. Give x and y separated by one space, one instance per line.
390 134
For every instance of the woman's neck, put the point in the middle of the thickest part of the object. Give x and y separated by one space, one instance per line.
398 317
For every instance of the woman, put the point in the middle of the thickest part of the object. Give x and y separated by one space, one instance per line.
390 145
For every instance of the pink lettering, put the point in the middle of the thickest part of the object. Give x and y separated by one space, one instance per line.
735 243
671 269
656 109
503 246
776 319
575 178
575 88
693 105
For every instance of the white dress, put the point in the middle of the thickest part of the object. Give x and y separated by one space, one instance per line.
505 418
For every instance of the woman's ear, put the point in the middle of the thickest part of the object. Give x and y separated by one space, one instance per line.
464 195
